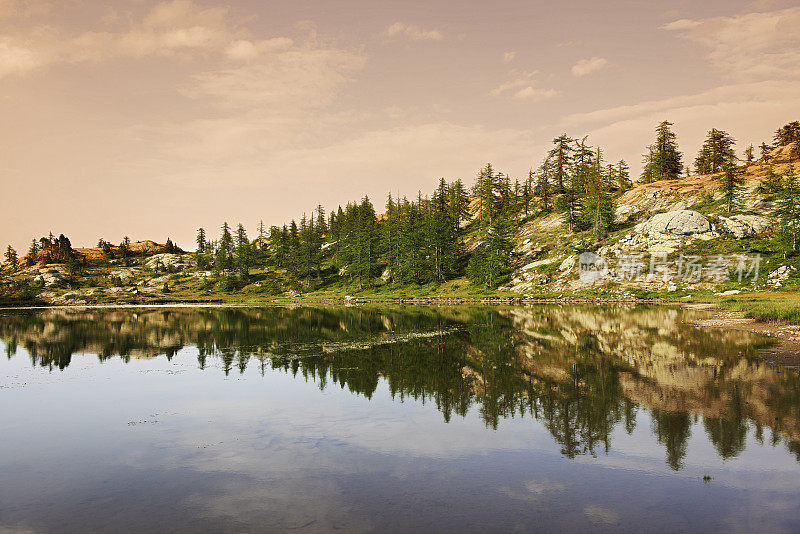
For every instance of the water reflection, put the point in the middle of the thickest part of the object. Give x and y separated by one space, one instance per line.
582 372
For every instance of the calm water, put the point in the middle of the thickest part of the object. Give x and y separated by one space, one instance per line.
364 420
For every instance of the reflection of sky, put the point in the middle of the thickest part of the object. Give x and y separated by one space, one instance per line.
163 444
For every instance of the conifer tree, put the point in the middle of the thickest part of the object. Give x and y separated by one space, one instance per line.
731 184
788 211
765 150
243 258
543 189
561 158
224 254
11 257
201 240
599 207
716 153
442 234
33 252
663 161
459 203
749 155
787 134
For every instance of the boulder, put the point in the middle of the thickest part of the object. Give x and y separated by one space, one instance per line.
169 261
677 222
742 226
49 279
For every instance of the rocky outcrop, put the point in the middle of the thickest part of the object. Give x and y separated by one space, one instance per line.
742 226
172 262
678 222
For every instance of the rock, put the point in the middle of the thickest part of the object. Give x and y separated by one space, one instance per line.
169 261
123 274
671 286
535 264
49 279
568 263
678 222
729 292
742 226
159 281
779 275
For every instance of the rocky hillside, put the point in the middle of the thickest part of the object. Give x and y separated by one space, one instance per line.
664 219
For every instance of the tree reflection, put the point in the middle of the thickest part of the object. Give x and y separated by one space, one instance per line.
583 372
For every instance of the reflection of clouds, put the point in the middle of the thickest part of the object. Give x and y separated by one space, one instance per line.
534 489
298 503
598 514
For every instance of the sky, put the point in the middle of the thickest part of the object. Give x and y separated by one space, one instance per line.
150 119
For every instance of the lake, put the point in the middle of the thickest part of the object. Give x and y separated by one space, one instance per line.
361 419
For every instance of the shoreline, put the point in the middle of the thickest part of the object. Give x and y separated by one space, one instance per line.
786 352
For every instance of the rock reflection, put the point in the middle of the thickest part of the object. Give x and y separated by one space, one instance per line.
584 372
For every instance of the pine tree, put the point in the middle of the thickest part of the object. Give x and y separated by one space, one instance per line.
459 203
716 153
749 155
484 190
731 184
33 252
770 183
442 234
599 207
571 204
11 258
543 188
391 237
561 158
663 161
201 240
224 253
623 176
243 257
765 150
787 134
788 211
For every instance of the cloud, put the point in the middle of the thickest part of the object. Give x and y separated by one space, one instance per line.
15 59
178 29
508 57
750 46
521 87
293 79
413 33
535 95
586 66
749 111
24 9
680 25
245 50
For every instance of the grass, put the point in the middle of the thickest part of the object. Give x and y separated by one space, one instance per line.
768 306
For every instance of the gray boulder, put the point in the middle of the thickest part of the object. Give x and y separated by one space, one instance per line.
742 226
677 222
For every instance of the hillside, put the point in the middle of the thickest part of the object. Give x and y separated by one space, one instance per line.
658 222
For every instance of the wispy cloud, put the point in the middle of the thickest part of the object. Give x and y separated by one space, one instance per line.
535 95
522 87
508 57
748 46
588 65
400 30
